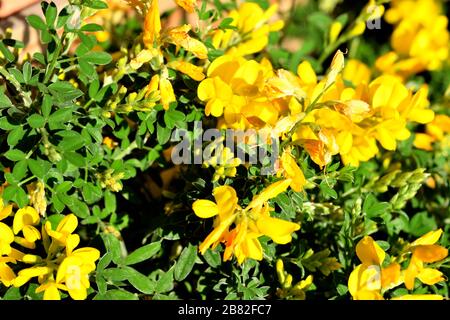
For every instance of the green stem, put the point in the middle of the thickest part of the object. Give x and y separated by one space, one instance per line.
127 151
26 180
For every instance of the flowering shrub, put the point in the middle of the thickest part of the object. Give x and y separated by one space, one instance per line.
227 152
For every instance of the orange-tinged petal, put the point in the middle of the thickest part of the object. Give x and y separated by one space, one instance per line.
369 252
410 274
390 276
430 253
205 208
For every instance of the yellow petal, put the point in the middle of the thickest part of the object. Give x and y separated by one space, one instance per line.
410 274
68 224
189 69
270 192
369 252
31 234
166 92
226 200
152 25
429 238
430 276
78 294
306 73
274 227
188 5
205 208
5 211
72 242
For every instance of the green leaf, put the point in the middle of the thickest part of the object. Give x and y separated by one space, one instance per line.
327 191
27 72
171 117
60 116
95 57
64 91
165 282
78 207
140 281
91 193
95 4
15 194
15 135
104 261
36 121
91 27
47 104
20 170
110 201
213 258
15 155
163 134
421 223
185 262
6 53
36 22
4 100
143 253
373 208
39 167
50 15
112 245
13 293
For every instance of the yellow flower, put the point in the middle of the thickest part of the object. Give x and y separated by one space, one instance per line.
152 25
252 34
424 250
109 143
64 229
356 72
290 169
250 223
24 220
75 268
420 38
436 130
368 279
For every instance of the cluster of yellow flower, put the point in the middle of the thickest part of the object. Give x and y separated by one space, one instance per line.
325 117
288 290
250 222
420 38
436 131
64 267
374 276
